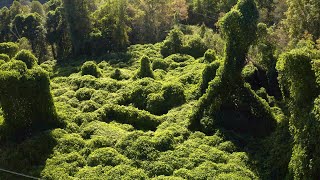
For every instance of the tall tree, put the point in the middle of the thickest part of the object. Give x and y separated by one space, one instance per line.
58 34
31 26
77 15
303 16
5 20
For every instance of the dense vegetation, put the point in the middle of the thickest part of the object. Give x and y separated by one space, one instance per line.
160 89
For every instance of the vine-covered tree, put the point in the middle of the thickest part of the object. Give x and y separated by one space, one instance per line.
228 101
79 24
31 26
301 94
58 33
303 16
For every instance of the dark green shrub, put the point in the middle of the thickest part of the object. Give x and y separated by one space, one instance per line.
63 166
84 94
106 157
128 115
145 68
179 58
70 143
142 148
116 74
9 48
210 56
90 68
173 43
164 140
195 46
155 104
173 95
26 99
89 106
126 172
27 57
208 75
160 64
99 142
158 168
4 57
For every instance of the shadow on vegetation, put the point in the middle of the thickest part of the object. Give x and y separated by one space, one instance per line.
26 157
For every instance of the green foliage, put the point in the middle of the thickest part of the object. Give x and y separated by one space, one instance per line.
210 56
106 157
229 102
63 166
300 91
116 74
4 57
301 19
89 106
126 172
145 68
90 68
31 27
26 99
76 10
27 57
208 75
129 115
173 43
195 46
84 94
160 64
179 58
9 48
172 95
296 76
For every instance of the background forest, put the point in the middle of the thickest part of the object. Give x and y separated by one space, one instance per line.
160 89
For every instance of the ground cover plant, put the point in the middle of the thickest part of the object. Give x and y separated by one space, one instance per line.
170 89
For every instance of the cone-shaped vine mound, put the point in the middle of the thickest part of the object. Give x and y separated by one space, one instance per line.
25 99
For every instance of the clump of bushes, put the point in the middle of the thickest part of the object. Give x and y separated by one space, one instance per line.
195 46
83 94
173 44
106 157
171 95
145 68
26 99
116 74
210 56
138 146
90 68
4 57
208 75
160 64
128 115
89 106
9 48
179 58
27 57
141 90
